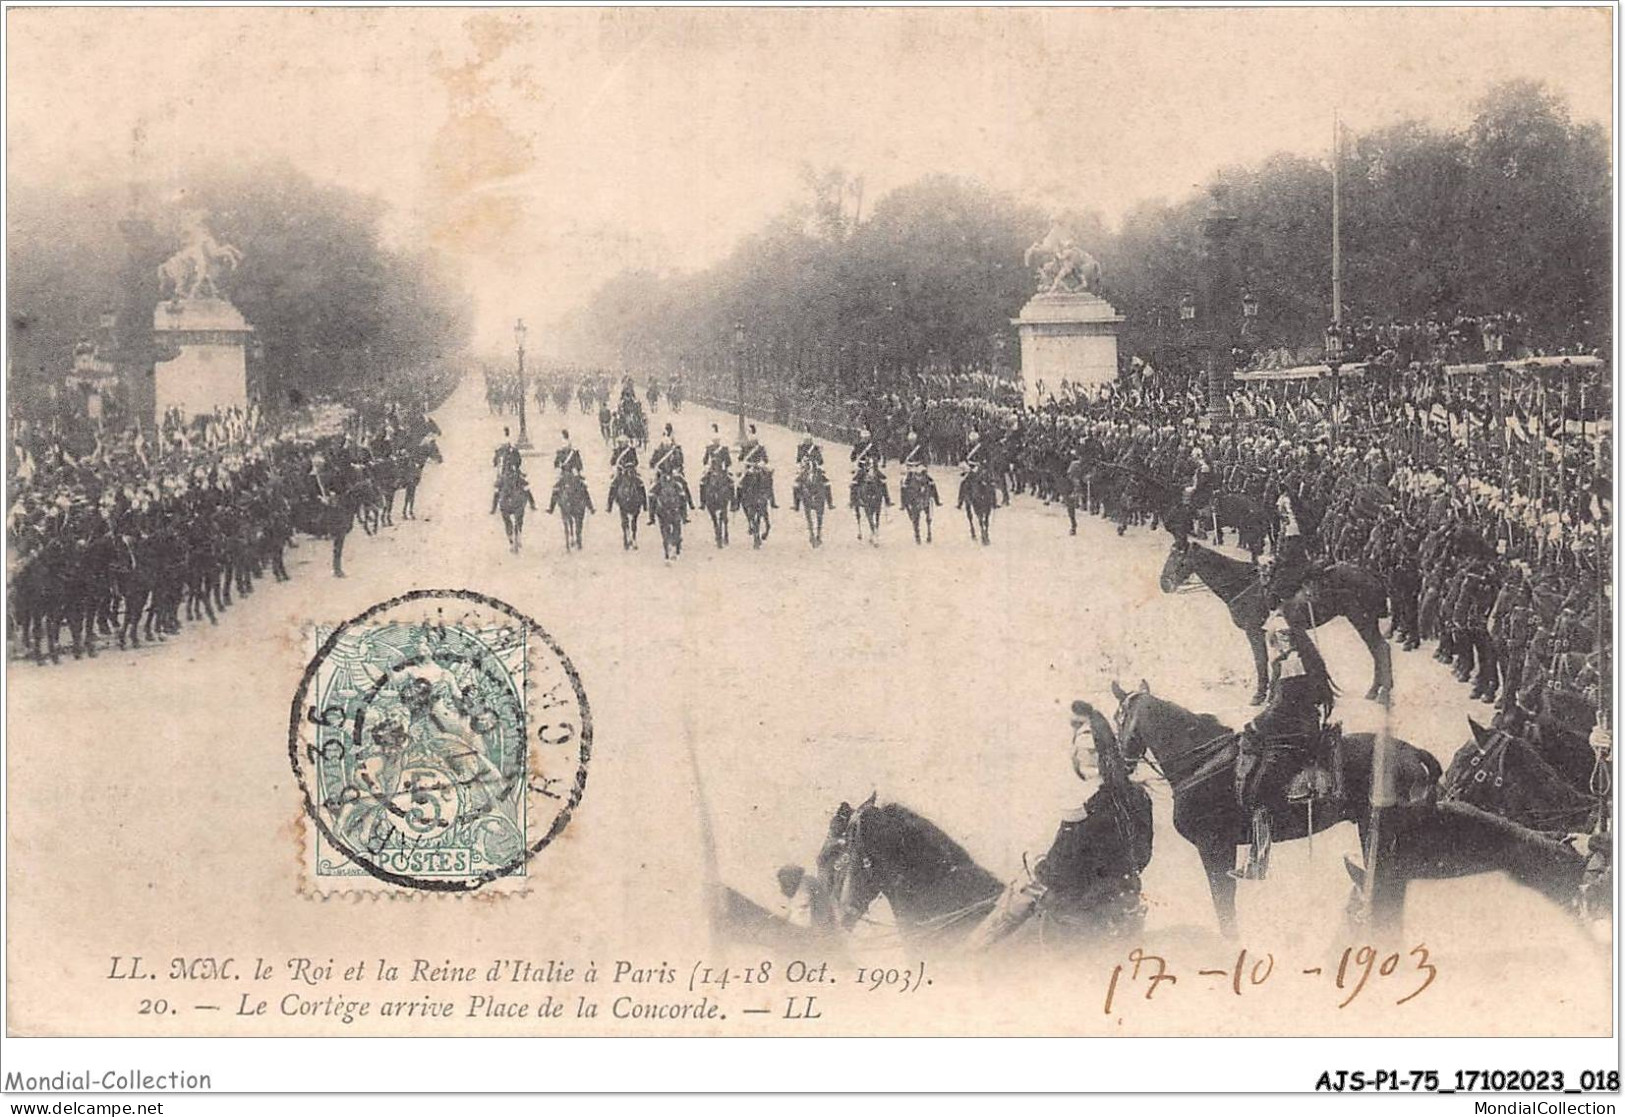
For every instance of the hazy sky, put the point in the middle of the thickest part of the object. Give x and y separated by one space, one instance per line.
547 149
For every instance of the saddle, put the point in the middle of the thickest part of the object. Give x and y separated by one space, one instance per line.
1322 775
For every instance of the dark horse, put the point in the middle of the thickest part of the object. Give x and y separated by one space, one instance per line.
1254 522
1197 755
513 497
870 495
627 493
977 497
666 506
411 475
917 502
1542 784
753 497
717 498
573 502
936 891
329 519
1343 591
812 496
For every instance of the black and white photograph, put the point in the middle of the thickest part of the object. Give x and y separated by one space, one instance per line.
816 524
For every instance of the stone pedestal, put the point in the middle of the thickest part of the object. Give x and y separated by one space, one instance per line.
209 339
1067 337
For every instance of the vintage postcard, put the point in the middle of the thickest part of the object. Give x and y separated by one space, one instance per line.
722 522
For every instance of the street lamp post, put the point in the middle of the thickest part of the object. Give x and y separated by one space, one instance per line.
739 373
519 340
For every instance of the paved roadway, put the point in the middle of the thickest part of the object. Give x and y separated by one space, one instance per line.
939 676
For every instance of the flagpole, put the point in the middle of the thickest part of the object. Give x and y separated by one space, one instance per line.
1337 218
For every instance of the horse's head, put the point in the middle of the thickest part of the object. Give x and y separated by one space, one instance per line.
1178 569
1131 742
845 866
432 449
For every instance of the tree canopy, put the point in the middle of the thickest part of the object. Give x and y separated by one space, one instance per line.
332 306
1510 213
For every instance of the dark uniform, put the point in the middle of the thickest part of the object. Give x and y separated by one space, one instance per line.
753 457
1273 747
624 457
866 456
974 461
666 460
915 460
810 464
717 452
1291 564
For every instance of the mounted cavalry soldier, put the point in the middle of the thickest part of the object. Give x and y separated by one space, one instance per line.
567 459
1087 886
866 456
809 451
1277 744
915 460
506 456
623 456
971 465
753 459
810 466
666 460
1291 563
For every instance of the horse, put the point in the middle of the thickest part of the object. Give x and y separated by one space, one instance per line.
1253 521
753 497
412 474
717 498
870 495
812 497
1342 591
977 496
1454 839
1507 775
573 502
1196 754
513 497
917 501
627 493
329 518
666 505
937 892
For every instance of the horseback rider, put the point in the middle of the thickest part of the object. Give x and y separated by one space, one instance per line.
1275 745
666 459
915 461
753 457
865 458
1291 563
810 463
1088 883
970 465
623 456
567 461
506 456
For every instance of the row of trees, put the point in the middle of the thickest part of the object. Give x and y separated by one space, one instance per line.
1511 212
334 309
